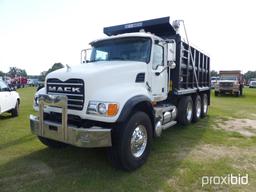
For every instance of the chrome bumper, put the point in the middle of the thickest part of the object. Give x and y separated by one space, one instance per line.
81 137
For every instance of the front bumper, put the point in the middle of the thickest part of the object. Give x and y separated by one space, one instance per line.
80 137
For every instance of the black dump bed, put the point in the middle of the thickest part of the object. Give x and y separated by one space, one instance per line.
192 71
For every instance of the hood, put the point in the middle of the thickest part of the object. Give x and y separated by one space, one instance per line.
100 70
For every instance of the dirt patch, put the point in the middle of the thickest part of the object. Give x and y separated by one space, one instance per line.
245 127
243 158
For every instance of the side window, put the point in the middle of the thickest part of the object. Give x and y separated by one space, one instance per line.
158 58
101 55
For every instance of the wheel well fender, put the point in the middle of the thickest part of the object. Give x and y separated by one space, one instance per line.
137 103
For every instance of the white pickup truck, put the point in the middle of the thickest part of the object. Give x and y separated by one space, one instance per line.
9 100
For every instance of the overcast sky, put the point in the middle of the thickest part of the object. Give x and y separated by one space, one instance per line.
34 34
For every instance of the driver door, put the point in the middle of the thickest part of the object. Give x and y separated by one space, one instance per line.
3 97
158 74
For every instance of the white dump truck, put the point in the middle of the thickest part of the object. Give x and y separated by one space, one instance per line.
138 81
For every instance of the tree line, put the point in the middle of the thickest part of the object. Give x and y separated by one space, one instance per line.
14 71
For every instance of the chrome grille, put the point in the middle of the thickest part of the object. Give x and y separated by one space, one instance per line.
72 88
226 84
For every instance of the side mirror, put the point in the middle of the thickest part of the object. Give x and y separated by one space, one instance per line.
85 54
171 54
171 65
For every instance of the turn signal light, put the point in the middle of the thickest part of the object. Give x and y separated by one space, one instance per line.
112 109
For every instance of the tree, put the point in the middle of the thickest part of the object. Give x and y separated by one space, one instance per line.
214 73
14 71
2 74
249 74
55 67
42 76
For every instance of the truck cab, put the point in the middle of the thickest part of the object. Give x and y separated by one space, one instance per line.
137 82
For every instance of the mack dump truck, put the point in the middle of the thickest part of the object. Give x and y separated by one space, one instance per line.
138 81
230 82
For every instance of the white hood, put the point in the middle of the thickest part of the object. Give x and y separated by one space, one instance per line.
100 70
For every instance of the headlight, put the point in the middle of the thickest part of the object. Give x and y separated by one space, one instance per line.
102 108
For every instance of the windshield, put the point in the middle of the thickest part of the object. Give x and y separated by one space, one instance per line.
125 49
232 78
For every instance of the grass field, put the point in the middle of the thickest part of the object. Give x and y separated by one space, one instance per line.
221 144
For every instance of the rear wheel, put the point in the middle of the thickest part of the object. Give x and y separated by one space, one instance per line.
51 143
15 111
204 109
185 110
197 109
131 142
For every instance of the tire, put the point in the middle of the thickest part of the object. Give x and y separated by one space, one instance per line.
122 155
51 143
237 94
185 110
216 93
204 109
197 107
15 111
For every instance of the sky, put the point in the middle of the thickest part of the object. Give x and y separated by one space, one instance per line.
35 34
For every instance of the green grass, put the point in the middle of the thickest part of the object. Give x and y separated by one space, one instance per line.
177 161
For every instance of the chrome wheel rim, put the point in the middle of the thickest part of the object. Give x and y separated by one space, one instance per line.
139 141
198 109
205 105
189 111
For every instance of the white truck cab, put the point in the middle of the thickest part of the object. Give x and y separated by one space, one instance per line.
9 99
137 82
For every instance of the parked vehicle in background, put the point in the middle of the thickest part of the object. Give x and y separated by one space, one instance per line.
138 81
9 100
33 82
252 84
231 82
251 79
214 81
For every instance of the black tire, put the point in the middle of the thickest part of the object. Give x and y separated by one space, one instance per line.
51 143
120 154
15 111
237 94
216 93
184 117
204 109
197 107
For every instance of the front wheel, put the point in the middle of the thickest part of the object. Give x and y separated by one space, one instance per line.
131 142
